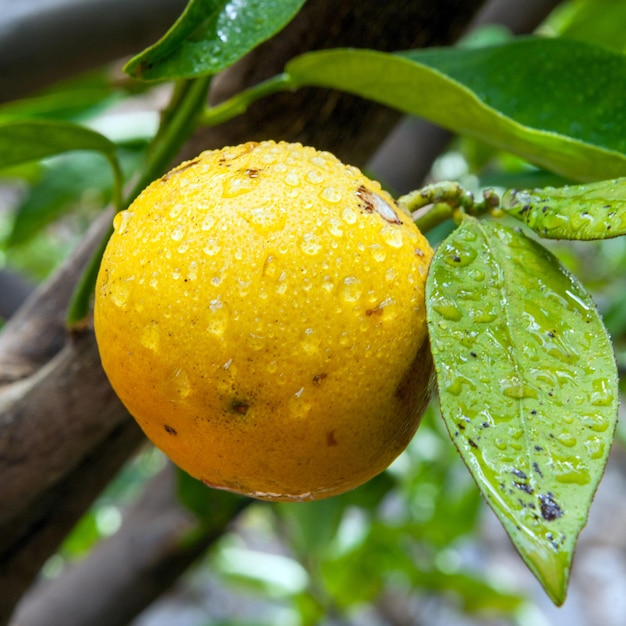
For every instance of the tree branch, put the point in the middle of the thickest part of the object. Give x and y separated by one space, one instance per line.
44 41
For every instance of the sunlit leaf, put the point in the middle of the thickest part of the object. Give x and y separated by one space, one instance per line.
557 103
528 386
210 36
592 211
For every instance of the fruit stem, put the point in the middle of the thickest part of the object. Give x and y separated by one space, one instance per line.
439 202
239 103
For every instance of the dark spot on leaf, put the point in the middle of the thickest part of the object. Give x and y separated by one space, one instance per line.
485 424
524 487
330 438
519 474
536 468
524 209
550 510
461 426
533 412
472 443
169 429
473 354
456 258
539 448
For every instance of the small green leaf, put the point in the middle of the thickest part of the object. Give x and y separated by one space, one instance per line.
32 140
592 211
528 386
556 103
210 36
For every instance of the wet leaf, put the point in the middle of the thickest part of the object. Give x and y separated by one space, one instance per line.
592 211
210 36
556 103
528 386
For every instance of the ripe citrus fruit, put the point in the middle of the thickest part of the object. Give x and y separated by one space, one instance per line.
260 312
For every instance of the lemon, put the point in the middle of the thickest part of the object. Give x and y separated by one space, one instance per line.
260 312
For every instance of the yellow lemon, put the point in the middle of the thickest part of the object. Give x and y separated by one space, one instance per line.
260 312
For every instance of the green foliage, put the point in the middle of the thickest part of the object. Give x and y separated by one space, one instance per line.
527 384
525 369
586 212
210 36
532 97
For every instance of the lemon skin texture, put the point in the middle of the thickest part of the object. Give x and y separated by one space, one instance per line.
260 312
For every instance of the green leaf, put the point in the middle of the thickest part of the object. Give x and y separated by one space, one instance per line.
587 212
210 36
21 142
597 21
556 103
528 386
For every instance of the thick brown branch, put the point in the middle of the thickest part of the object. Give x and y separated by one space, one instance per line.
155 545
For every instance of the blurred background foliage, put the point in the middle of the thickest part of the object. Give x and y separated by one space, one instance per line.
406 548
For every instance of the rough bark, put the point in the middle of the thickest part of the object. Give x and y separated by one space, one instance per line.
53 382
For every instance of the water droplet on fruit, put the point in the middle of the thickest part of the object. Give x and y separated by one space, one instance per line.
391 235
179 383
351 289
331 194
378 252
315 176
211 247
120 290
207 223
349 216
335 227
150 336
266 220
176 210
310 244
178 233
218 318
292 179
121 220
298 406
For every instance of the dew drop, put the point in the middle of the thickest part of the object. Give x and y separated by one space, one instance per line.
298 407
218 318
176 210
236 187
378 253
266 220
518 389
150 337
177 233
335 227
207 223
351 289
192 274
500 444
331 194
566 439
310 244
211 247
121 220
120 290
179 384
458 255
292 179
315 176
391 235
571 470
595 447
602 394
349 216
448 309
